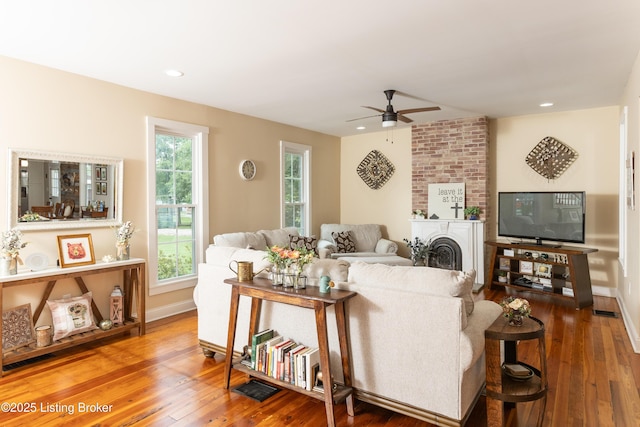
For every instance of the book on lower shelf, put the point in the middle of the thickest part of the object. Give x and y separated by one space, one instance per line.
259 338
568 292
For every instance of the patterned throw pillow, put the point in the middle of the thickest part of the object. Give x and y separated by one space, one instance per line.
309 243
344 242
71 316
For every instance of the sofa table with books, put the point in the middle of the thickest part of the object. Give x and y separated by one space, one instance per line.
262 290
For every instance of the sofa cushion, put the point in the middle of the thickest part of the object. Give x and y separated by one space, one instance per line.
309 243
279 236
221 256
344 242
365 236
241 240
434 281
336 269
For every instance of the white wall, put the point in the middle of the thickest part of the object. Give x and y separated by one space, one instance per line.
629 286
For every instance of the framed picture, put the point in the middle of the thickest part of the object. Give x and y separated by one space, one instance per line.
543 270
75 250
103 188
98 189
505 264
98 174
103 173
526 267
17 328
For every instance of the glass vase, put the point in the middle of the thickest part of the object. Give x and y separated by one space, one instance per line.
277 275
515 319
122 251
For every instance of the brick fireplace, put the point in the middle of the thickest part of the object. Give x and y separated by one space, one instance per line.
453 151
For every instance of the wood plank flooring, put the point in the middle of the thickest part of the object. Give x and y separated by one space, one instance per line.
162 379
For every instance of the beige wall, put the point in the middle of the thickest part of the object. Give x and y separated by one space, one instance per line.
629 286
390 205
593 133
46 109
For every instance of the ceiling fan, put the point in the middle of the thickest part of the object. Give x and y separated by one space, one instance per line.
389 117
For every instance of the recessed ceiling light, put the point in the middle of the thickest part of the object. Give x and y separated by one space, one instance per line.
174 73
547 104
361 128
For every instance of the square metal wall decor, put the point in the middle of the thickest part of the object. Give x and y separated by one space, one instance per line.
375 169
550 158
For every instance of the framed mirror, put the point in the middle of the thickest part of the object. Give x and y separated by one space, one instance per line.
51 190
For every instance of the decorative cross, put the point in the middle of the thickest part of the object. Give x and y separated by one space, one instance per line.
456 207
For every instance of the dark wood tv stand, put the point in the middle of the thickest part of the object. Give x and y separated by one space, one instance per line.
564 273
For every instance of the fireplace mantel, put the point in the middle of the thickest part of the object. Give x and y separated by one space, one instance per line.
469 235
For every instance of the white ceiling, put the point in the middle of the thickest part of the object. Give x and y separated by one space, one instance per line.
313 64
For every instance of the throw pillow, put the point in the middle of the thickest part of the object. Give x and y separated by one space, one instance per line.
309 243
71 316
344 242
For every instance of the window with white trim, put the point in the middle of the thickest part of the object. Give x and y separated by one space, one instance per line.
177 203
295 171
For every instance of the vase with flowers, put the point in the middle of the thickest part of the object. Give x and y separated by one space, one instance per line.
515 309
123 235
288 265
10 252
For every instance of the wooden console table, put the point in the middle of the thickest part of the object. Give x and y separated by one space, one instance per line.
262 289
503 392
133 282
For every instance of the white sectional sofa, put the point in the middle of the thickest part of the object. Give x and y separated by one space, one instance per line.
416 337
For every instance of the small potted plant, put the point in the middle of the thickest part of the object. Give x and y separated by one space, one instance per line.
502 276
472 212
418 214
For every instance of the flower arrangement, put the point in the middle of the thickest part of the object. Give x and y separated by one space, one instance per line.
419 249
418 213
124 233
12 243
284 257
515 309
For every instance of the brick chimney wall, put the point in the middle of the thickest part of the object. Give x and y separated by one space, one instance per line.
451 151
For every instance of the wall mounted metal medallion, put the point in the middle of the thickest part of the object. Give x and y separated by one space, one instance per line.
550 158
375 169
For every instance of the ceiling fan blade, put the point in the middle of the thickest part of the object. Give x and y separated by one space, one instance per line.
418 110
404 119
361 118
373 108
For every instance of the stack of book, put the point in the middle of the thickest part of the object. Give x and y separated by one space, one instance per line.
284 359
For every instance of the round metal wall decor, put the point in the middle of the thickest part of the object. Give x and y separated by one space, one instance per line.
375 169
550 158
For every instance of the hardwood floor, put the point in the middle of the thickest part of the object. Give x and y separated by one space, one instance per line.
162 379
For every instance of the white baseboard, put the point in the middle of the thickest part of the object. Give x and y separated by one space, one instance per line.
603 291
634 338
170 310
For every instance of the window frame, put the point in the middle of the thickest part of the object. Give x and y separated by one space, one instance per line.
305 151
200 136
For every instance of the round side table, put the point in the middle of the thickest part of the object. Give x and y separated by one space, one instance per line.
504 391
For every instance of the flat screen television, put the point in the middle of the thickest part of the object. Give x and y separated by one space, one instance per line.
557 216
